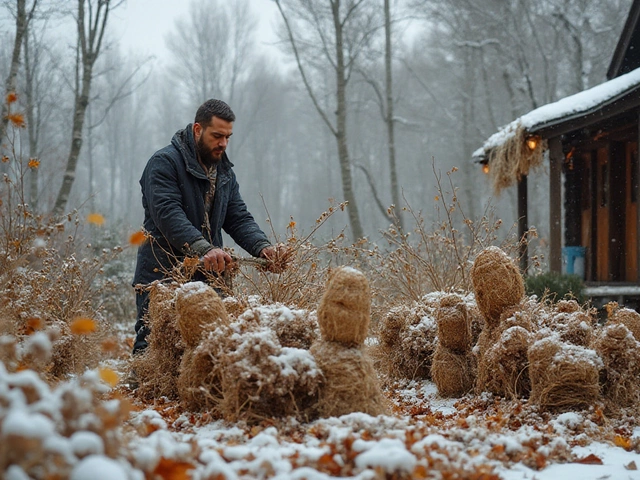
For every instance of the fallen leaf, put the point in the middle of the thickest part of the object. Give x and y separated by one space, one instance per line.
631 466
590 459
109 376
169 469
83 326
622 442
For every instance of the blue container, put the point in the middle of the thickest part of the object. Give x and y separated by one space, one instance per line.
573 259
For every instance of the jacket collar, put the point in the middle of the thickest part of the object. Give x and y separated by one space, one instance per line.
184 141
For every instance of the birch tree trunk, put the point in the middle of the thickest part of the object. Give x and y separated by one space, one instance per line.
91 30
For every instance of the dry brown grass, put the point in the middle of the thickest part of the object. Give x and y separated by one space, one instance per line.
453 373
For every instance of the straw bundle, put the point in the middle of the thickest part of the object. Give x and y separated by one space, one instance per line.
344 310
563 376
505 364
497 284
199 309
630 319
454 329
620 353
452 372
350 381
159 366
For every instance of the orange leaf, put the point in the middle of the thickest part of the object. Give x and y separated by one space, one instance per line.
622 442
109 376
12 97
17 119
137 238
95 219
5 159
169 469
590 460
83 326
109 344
33 163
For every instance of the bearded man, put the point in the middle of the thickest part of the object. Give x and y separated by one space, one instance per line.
189 194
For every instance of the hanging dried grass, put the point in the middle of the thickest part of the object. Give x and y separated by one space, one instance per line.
199 309
620 353
515 158
344 310
452 372
158 367
563 376
497 283
350 381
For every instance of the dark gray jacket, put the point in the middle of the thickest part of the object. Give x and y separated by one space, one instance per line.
173 189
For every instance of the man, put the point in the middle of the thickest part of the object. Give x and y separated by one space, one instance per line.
189 194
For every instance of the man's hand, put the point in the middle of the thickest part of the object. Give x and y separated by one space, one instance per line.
217 260
279 257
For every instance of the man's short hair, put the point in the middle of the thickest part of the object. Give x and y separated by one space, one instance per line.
214 108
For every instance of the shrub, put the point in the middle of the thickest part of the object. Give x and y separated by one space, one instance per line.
556 286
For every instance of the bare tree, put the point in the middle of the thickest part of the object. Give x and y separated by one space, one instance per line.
23 15
212 49
91 22
331 34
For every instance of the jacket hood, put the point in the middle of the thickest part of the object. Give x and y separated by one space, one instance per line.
184 141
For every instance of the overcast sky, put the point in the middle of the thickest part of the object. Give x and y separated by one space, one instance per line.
143 24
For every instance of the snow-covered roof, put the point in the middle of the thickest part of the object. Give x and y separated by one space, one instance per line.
564 109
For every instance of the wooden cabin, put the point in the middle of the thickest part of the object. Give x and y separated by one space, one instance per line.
592 142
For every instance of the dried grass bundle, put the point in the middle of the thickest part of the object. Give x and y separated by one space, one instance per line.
350 381
199 309
453 373
563 376
567 306
159 366
295 328
454 328
513 159
408 340
344 310
620 353
576 327
259 378
630 319
497 284
506 364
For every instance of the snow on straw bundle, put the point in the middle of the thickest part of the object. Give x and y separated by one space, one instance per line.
408 339
620 353
576 328
350 381
563 376
344 309
295 328
158 367
630 319
497 284
514 158
199 309
505 364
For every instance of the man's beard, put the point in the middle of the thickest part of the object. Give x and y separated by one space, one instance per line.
206 155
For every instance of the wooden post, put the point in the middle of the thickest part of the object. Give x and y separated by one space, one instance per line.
555 204
637 187
523 223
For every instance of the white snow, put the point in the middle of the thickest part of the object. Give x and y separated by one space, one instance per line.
97 467
389 454
576 104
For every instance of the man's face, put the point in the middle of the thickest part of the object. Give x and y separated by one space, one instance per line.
212 140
